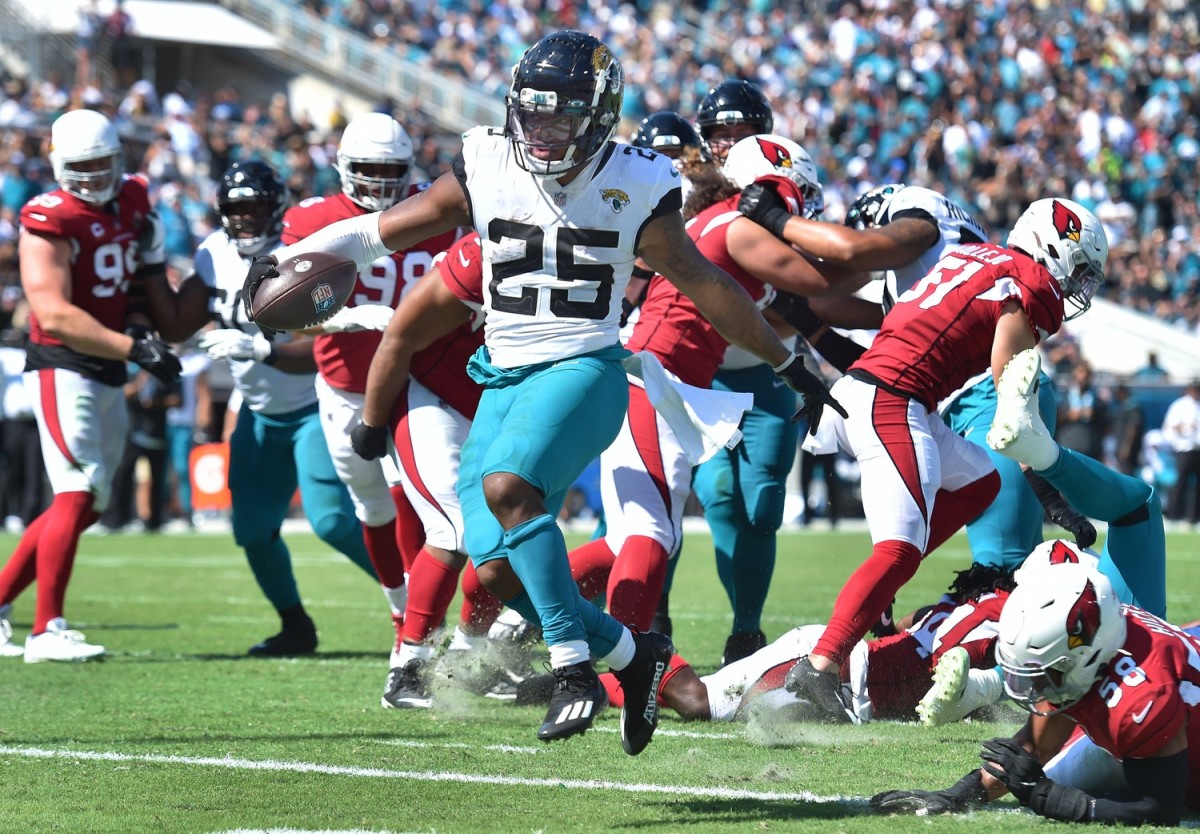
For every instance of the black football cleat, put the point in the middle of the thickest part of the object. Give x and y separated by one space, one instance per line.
742 644
821 689
298 637
574 701
406 688
640 681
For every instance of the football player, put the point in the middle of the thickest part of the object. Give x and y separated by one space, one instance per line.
562 212
1110 737
731 111
1134 556
85 249
646 476
277 444
977 308
374 160
882 679
904 231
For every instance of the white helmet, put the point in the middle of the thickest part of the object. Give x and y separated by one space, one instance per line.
1058 630
1069 241
81 136
375 139
769 155
1055 552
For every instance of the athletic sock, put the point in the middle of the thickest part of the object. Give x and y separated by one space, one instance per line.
21 568
431 587
71 514
480 607
384 554
636 581
591 565
866 595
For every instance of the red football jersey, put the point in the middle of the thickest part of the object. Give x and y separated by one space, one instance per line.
1147 695
671 327
900 668
940 332
442 367
343 358
104 250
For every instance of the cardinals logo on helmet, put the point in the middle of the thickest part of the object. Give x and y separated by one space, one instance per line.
1062 553
777 155
1083 620
1066 223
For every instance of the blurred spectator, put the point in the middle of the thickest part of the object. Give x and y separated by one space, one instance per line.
88 28
148 400
1128 429
1082 414
1151 371
184 428
125 57
1181 428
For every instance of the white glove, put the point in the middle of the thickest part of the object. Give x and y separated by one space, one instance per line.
354 319
234 344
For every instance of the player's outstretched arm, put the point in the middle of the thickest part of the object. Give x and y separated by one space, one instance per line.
896 244
178 313
428 312
669 251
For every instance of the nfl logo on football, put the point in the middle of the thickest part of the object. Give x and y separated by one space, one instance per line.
323 299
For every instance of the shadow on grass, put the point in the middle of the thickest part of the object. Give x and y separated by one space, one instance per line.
754 810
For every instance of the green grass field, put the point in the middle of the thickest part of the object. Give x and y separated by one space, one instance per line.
178 731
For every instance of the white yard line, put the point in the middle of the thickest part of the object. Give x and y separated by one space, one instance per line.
424 776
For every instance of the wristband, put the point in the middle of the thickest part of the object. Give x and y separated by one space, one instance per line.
642 272
785 364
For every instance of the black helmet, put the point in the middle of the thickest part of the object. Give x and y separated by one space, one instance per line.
667 132
251 200
734 103
565 96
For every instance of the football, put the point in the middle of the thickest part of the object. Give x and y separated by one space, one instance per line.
310 288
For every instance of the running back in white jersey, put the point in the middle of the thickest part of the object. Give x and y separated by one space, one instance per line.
556 259
954 224
265 389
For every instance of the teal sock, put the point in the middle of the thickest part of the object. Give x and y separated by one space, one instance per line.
538 556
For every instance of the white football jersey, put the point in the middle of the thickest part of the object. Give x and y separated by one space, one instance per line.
265 389
556 259
954 224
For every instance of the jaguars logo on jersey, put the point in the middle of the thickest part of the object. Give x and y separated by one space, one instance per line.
616 199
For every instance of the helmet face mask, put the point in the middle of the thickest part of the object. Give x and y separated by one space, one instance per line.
1069 241
251 200
85 153
374 160
1059 629
732 110
564 103
866 211
777 157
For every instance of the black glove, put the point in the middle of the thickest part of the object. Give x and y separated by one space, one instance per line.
812 388
369 442
1060 512
1013 765
963 795
154 355
764 206
138 331
1058 802
261 268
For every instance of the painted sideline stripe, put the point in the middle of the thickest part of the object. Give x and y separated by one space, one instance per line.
425 775
457 745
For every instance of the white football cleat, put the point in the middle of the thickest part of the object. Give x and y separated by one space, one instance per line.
59 643
7 647
1017 430
958 690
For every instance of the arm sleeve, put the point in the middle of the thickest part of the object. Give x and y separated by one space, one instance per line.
1161 785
